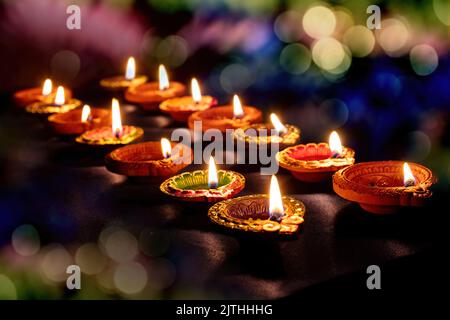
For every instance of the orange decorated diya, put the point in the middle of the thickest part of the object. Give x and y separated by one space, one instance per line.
150 95
25 97
119 83
78 121
316 162
383 187
149 159
58 105
181 108
226 117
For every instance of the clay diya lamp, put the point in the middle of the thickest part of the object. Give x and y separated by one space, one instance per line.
204 185
181 108
25 97
284 135
261 213
383 187
120 83
316 162
226 117
149 95
155 159
113 135
78 121
58 105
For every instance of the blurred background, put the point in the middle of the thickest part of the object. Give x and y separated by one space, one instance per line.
316 64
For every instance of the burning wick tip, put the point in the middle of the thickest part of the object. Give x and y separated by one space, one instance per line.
118 133
410 183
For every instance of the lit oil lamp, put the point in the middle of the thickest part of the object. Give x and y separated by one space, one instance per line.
276 132
181 108
383 187
116 134
149 95
26 97
58 105
316 162
210 185
79 120
119 83
272 213
154 158
226 117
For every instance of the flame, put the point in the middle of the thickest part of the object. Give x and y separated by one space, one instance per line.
116 120
85 113
279 127
195 91
212 174
130 72
163 78
47 87
60 96
166 148
237 107
276 209
408 177
335 143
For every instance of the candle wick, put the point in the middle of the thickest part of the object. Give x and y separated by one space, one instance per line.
118 133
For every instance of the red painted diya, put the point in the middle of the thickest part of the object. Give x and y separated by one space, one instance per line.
78 121
181 108
226 117
204 185
150 95
25 97
149 159
283 134
57 105
260 213
383 187
119 83
315 162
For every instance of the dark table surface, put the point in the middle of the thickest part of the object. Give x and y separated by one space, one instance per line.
69 196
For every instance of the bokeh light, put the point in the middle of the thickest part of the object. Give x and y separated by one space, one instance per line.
25 240
419 146
130 278
65 65
424 59
344 20
172 51
54 263
7 288
328 53
235 77
319 21
442 11
119 244
90 259
393 37
295 58
288 26
360 40
333 113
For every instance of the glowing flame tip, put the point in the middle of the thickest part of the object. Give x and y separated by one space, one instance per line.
213 180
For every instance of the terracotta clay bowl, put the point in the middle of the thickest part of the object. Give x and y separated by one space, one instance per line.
25 97
120 83
251 135
181 108
148 95
69 123
378 186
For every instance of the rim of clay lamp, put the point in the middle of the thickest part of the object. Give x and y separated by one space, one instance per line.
289 138
137 134
121 83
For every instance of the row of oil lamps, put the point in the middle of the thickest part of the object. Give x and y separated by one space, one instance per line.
379 187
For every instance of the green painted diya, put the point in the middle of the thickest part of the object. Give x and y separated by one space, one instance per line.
193 186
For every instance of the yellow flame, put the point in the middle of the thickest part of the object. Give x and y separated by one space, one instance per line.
116 120
166 148
212 174
275 202
335 143
237 107
408 177
279 127
163 78
85 113
60 96
130 72
195 91
47 87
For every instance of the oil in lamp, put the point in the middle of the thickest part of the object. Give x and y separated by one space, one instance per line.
226 117
130 78
149 95
116 134
78 121
210 185
58 105
316 162
272 213
276 132
182 107
151 158
383 187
